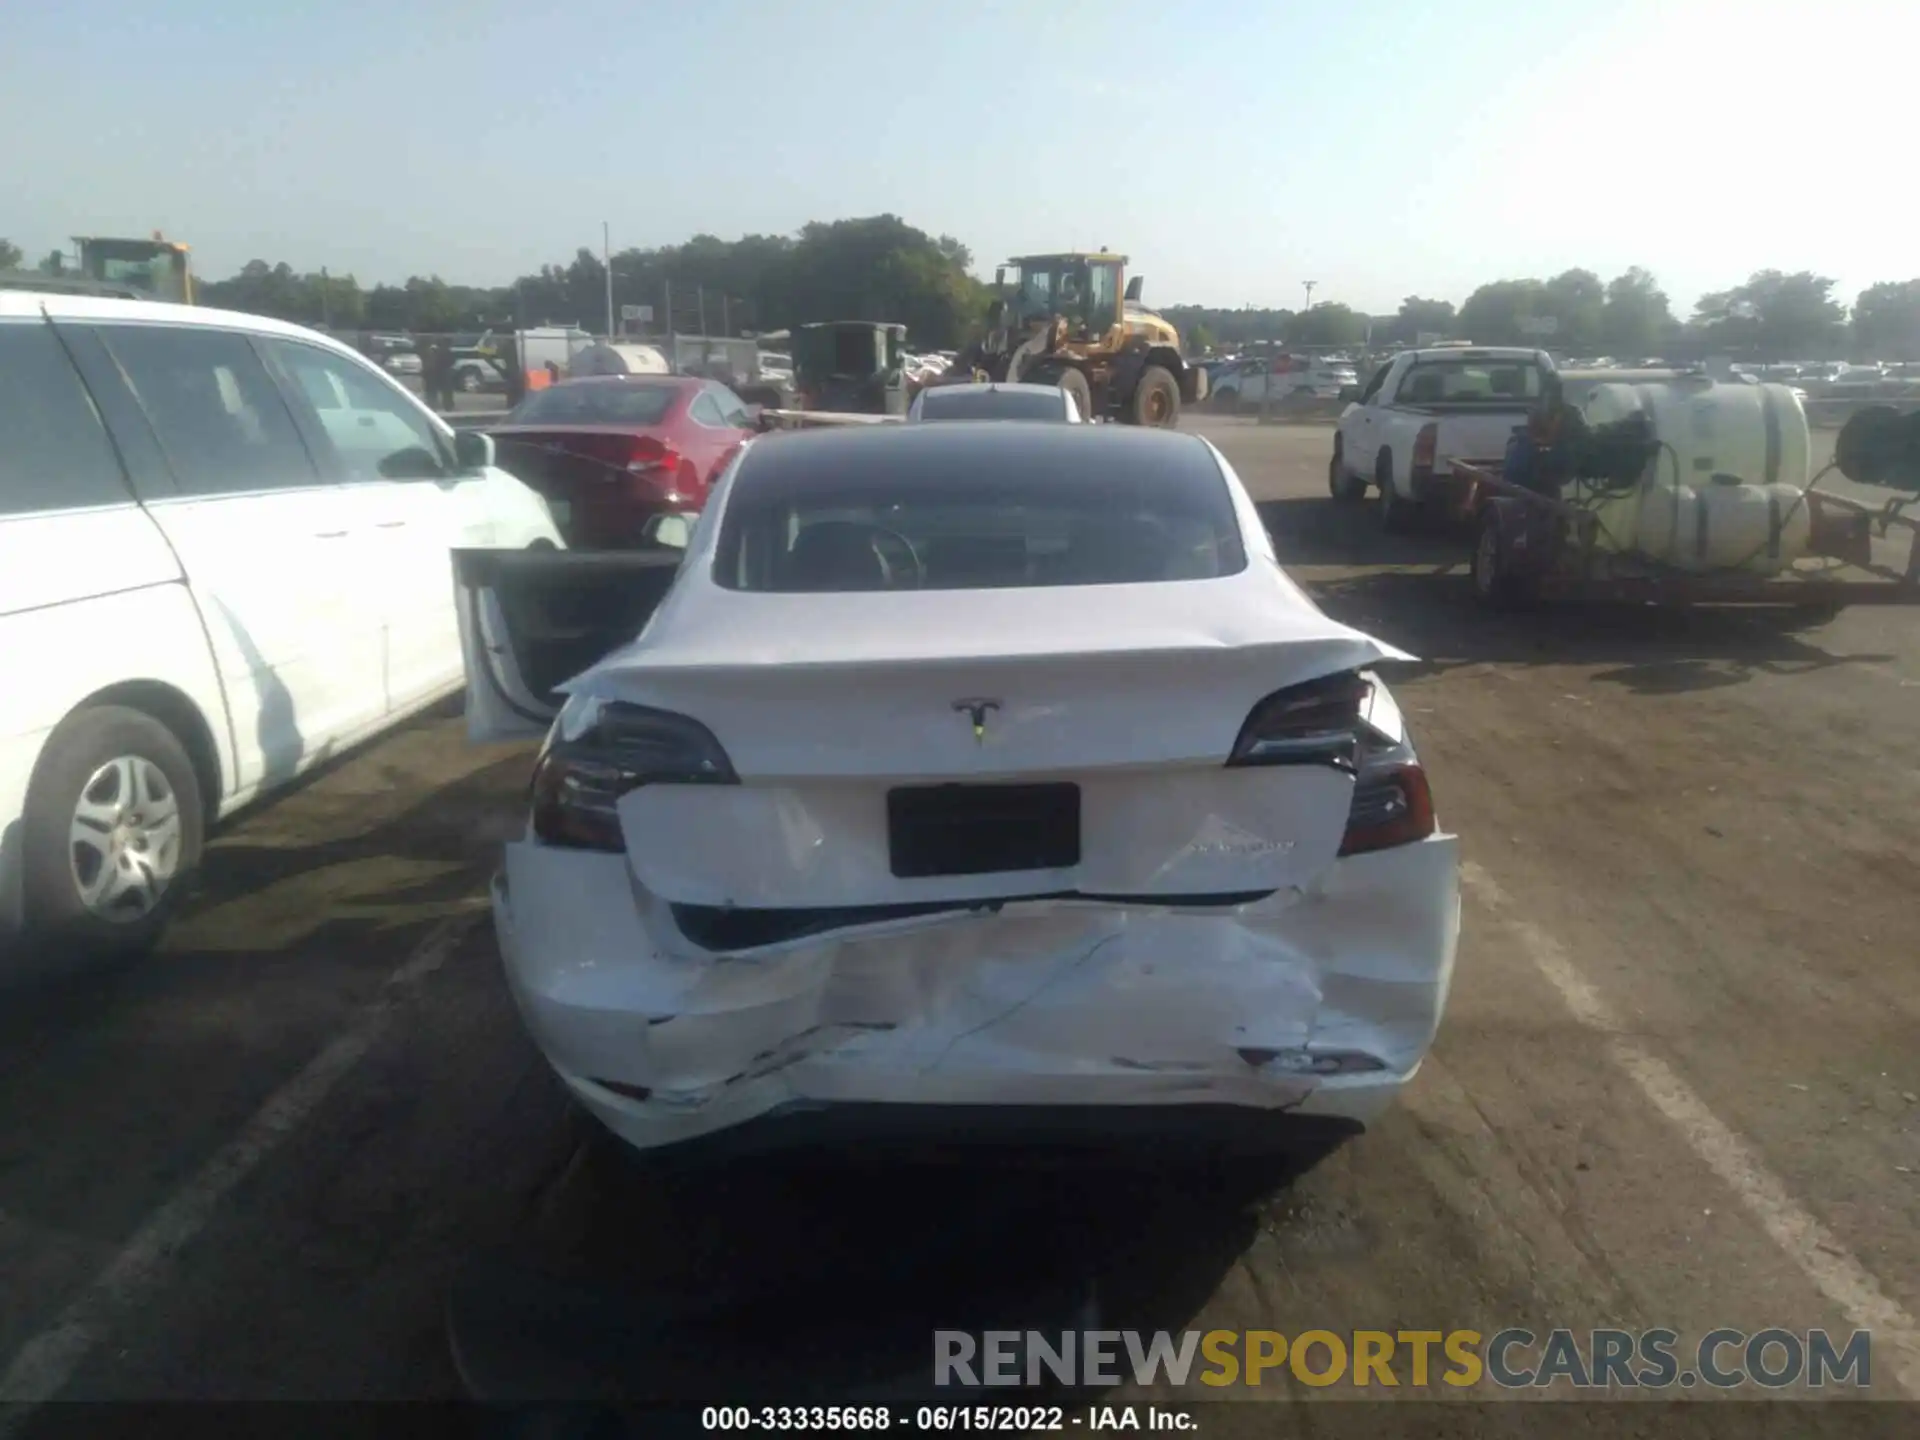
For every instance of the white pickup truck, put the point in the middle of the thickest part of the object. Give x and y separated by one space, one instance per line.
1425 408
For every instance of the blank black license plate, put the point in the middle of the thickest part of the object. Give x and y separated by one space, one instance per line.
982 829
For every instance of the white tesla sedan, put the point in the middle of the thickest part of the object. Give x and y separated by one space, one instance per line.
964 779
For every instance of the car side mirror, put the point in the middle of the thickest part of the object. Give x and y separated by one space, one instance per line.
473 450
670 531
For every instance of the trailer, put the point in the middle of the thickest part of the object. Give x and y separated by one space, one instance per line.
1534 548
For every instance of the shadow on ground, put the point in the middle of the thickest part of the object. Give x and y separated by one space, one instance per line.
140 1071
1428 607
789 1281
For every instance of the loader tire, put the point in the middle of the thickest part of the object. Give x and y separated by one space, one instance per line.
1155 400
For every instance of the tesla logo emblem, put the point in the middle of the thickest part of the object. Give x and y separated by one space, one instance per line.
976 711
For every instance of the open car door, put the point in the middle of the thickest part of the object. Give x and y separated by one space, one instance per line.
530 620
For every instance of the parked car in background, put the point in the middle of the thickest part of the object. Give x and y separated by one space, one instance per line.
980 771
971 401
612 452
223 551
1251 382
1427 407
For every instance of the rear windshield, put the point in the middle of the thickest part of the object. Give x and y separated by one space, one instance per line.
991 405
595 403
1443 382
942 524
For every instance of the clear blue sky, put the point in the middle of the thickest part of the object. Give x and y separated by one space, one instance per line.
1233 150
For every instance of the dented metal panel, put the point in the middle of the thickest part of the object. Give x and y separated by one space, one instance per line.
1050 1002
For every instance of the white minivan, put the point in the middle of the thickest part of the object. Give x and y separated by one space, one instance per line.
223 558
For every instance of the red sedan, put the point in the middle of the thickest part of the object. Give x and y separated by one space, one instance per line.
609 452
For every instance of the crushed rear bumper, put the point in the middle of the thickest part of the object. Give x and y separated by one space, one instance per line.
1319 1002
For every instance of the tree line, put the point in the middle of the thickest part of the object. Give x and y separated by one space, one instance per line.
1771 316
881 268
877 268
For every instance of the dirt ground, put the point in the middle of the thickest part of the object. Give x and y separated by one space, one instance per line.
1676 1085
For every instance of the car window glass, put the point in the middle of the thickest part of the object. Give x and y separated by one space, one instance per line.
706 410
217 414
733 410
54 452
1379 379
378 433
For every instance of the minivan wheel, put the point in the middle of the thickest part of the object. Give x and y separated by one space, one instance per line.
113 827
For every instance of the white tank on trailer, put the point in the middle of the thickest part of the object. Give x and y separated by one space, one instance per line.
603 359
1726 488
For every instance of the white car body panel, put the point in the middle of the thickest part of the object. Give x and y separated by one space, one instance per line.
1210 946
276 616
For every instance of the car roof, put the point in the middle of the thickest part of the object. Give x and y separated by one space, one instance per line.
858 452
992 387
671 382
18 304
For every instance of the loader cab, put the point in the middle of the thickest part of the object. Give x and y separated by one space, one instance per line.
156 268
1088 291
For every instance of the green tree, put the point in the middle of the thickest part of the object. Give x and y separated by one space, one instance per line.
54 263
1577 301
1326 324
1197 338
1496 313
1886 320
1419 317
1636 319
10 255
1774 316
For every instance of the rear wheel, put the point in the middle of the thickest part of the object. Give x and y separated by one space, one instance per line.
1346 488
112 827
1156 399
469 379
1226 399
1397 513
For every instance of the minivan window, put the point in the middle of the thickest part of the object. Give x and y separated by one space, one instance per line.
216 411
378 433
54 452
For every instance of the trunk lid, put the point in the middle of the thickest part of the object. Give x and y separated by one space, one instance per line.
600 481
982 745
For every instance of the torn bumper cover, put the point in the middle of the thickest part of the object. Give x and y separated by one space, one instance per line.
1314 1002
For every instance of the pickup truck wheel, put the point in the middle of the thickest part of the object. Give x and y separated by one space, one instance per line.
1226 399
1156 399
1495 584
1346 489
1398 514
112 829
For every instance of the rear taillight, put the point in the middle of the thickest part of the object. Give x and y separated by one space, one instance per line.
1392 805
602 749
646 455
1317 723
1426 445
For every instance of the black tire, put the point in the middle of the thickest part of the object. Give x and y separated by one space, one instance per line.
1495 585
57 915
1398 515
1075 384
1226 399
1346 489
1155 401
469 379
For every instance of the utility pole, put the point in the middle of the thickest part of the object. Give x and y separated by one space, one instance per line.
700 297
1309 284
326 310
606 258
673 350
725 327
